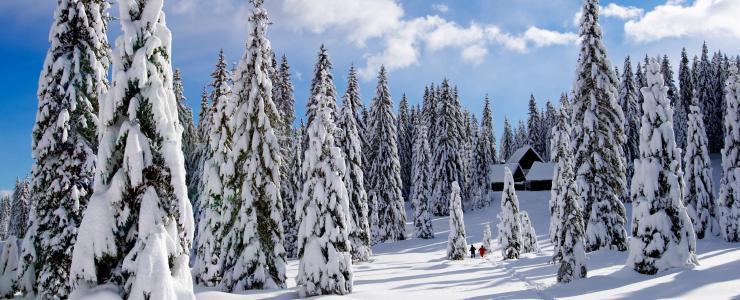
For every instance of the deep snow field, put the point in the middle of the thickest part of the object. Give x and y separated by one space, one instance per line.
418 269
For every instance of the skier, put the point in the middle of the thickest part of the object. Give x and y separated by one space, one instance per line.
482 251
472 251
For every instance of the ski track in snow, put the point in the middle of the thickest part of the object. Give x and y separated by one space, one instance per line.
418 269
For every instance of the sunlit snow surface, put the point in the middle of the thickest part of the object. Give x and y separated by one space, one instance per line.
417 269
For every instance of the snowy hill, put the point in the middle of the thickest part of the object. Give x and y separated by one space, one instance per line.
415 268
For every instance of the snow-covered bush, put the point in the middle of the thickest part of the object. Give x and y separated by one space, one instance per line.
456 244
529 236
509 226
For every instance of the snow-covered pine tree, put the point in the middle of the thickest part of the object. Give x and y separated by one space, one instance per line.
561 156
529 236
534 121
662 234
456 243
447 157
385 194
482 160
704 90
509 226
628 99
294 186
549 121
598 120
253 252
348 139
685 96
521 136
714 108
65 140
487 241
570 246
667 70
217 142
698 194
507 141
729 193
4 216
487 133
285 103
405 130
136 233
189 137
323 210
203 115
20 209
421 184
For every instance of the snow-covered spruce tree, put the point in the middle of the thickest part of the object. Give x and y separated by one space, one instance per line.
4 216
549 121
204 114
729 192
65 140
561 156
662 234
704 90
685 99
189 137
570 247
207 269
385 193
598 121
667 71
323 237
253 253
632 113
487 134
482 159
456 245
348 139
698 194
713 110
294 186
137 229
447 157
529 236
487 241
507 141
20 209
405 130
521 136
509 226
534 121
420 181
285 103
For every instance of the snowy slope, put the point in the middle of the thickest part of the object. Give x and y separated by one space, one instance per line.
417 268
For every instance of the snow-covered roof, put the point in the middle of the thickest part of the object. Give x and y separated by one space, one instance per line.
541 171
519 154
498 172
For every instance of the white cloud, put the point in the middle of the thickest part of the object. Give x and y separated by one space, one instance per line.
674 19
621 12
367 18
474 54
543 37
404 38
443 8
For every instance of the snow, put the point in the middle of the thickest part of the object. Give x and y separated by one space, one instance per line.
541 171
498 172
519 154
418 269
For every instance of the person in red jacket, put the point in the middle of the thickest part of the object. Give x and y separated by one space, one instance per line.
482 251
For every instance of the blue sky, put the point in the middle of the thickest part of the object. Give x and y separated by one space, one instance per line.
507 49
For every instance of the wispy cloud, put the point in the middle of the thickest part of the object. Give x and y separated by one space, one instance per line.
404 38
621 12
443 8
